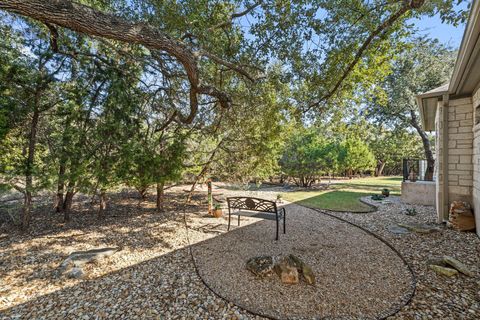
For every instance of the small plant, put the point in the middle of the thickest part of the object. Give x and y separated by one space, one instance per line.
217 206
411 212
386 192
377 197
279 198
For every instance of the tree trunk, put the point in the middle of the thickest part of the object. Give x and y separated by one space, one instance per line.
426 146
379 168
27 203
60 187
160 196
103 203
67 203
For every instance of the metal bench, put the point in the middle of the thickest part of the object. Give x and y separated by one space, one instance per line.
268 209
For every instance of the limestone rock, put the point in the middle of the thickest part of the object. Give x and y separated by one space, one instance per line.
72 265
454 263
79 258
302 268
76 273
261 266
288 274
419 227
288 268
308 275
398 230
443 270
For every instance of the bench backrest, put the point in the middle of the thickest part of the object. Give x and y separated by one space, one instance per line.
252 204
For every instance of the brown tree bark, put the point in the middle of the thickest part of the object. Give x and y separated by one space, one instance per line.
85 19
379 168
32 140
67 203
160 196
103 203
426 146
60 187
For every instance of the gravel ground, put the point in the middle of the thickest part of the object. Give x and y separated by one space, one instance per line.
358 276
436 297
152 277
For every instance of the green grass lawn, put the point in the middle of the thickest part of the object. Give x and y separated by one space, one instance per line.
344 195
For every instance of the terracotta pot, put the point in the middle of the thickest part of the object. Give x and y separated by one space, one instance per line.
386 193
217 213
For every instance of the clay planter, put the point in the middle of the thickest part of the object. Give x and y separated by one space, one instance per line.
386 192
217 213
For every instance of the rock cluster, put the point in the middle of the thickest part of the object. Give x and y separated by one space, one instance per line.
461 217
449 266
290 269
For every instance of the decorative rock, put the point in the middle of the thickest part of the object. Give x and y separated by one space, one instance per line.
443 270
288 268
398 230
261 266
419 227
76 273
288 274
308 274
302 268
454 263
79 258
72 265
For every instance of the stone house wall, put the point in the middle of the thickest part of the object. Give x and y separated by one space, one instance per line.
460 150
476 158
459 153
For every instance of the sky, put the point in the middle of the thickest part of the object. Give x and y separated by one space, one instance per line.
446 33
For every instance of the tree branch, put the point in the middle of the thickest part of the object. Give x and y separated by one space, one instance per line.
407 6
84 19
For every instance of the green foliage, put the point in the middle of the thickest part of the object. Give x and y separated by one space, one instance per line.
355 155
377 197
411 212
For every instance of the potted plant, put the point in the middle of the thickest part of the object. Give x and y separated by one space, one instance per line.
279 198
385 192
217 210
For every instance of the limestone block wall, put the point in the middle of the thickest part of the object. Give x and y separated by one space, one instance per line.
420 192
460 150
476 159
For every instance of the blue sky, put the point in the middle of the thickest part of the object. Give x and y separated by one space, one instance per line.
446 33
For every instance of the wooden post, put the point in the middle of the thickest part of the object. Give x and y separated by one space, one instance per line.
210 197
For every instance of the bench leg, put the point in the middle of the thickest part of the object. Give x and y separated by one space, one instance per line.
276 238
284 220
229 216
239 220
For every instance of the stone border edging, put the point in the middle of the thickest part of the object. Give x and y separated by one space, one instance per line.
413 283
